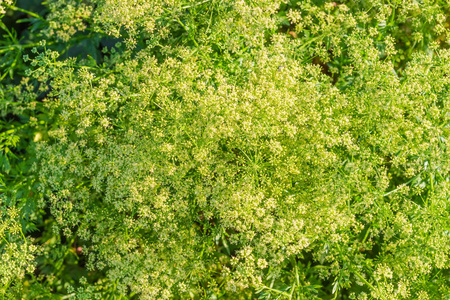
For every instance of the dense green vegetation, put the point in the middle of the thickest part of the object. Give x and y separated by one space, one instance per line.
208 149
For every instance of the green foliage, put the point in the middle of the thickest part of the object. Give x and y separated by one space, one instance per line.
259 149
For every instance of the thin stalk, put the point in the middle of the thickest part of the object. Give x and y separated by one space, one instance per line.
276 291
366 282
23 235
367 234
5 240
34 15
20 46
196 4
25 46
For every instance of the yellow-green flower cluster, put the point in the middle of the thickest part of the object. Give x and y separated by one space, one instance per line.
3 4
17 256
252 148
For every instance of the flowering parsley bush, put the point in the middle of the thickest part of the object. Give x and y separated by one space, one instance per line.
234 150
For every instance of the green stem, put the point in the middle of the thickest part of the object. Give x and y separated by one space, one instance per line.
23 235
367 234
196 4
5 28
20 47
26 46
292 291
276 291
5 240
366 282
311 41
5 288
34 15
